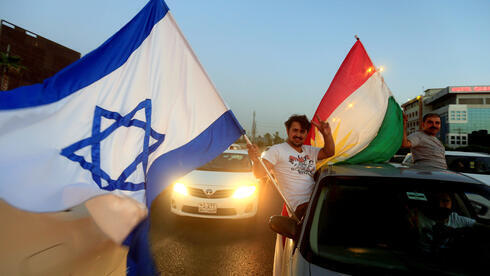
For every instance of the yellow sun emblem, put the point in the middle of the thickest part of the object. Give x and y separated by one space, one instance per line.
340 146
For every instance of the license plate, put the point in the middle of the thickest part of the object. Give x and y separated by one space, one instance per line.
206 207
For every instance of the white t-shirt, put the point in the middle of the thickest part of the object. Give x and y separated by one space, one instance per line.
294 171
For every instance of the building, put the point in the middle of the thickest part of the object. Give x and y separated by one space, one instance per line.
463 110
415 110
40 58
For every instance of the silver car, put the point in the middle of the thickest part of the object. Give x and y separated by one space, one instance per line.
472 164
381 220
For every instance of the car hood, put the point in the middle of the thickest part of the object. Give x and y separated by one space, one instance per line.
198 178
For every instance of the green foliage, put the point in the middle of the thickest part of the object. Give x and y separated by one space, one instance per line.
277 139
8 62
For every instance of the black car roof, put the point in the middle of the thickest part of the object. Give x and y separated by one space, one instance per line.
390 171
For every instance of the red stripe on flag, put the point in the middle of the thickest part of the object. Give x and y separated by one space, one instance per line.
284 213
355 70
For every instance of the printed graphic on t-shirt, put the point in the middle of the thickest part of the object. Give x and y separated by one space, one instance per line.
302 164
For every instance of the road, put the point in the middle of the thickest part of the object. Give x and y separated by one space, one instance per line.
192 246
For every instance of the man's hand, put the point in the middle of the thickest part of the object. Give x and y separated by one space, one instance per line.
253 152
328 149
405 142
258 170
323 126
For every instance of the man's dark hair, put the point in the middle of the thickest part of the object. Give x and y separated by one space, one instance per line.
301 119
430 115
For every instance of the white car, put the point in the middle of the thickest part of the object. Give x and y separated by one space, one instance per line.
472 164
234 147
224 188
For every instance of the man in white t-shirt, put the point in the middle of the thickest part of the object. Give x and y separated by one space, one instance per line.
293 163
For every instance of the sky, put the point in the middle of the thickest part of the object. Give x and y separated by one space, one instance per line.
278 57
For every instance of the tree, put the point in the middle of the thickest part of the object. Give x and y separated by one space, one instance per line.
277 139
8 63
241 140
267 139
260 142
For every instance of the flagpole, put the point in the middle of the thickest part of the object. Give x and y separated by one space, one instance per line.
291 211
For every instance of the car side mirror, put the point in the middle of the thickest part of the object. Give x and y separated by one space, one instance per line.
284 226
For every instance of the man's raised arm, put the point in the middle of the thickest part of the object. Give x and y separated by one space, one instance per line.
328 149
405 142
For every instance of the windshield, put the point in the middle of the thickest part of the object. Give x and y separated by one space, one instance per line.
469 164
435 230
229 162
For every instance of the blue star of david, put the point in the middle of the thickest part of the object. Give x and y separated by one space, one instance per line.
97 136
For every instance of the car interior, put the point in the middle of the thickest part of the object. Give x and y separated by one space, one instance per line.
372 224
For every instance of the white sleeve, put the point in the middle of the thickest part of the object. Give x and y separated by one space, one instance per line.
272 155
457 221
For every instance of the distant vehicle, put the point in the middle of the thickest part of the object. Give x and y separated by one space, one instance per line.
398 158
473 164
234 147
367 219
223 188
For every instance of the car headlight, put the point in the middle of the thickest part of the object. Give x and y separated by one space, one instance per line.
180 188
244 191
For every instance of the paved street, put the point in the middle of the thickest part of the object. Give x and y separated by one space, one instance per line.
191 246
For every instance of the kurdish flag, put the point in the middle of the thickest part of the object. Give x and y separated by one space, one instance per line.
366 121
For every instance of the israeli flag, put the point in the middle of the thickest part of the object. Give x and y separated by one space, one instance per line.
127 118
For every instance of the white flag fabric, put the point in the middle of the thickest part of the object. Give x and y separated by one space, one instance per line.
127 118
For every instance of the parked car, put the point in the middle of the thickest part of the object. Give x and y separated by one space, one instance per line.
397 158
234 147
367 219
473 164
223 188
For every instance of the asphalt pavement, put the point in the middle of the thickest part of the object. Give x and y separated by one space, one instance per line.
195 246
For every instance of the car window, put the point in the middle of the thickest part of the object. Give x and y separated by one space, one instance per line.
229 162
480 205
401 229
469 164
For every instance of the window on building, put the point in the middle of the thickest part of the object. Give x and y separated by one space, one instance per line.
458 115
457 139
487 100
471 101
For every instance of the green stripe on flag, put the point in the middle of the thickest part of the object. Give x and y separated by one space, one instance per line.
388 140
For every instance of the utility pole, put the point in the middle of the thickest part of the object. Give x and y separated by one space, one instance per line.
254 128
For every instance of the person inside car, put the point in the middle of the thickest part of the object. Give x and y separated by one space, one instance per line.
437 221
